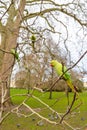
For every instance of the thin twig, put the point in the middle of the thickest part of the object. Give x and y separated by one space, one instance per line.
4 117
52 122
74 98
6 10
5 51
77 106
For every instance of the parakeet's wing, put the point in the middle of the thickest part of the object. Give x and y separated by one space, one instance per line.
67 76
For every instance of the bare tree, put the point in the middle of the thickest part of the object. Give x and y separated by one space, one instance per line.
9 34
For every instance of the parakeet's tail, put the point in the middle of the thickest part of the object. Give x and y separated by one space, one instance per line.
69 83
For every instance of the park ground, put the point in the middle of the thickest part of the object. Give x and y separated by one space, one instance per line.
15 121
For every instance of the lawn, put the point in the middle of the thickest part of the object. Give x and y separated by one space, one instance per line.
78 118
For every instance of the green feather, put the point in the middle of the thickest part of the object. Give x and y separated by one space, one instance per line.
60 69
16 55
13 51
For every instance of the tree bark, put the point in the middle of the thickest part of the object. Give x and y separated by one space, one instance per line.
9 35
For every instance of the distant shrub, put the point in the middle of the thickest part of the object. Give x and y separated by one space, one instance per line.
20 83
79 84
62 86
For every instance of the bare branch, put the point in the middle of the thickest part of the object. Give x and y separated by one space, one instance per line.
55 9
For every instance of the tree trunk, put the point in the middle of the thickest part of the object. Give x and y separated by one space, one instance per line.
50 95
9 35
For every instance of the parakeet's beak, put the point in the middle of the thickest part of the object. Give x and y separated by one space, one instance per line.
51 65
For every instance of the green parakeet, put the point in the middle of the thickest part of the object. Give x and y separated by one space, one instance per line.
16 55
33 39
60 69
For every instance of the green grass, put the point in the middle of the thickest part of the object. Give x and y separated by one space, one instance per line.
58 103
